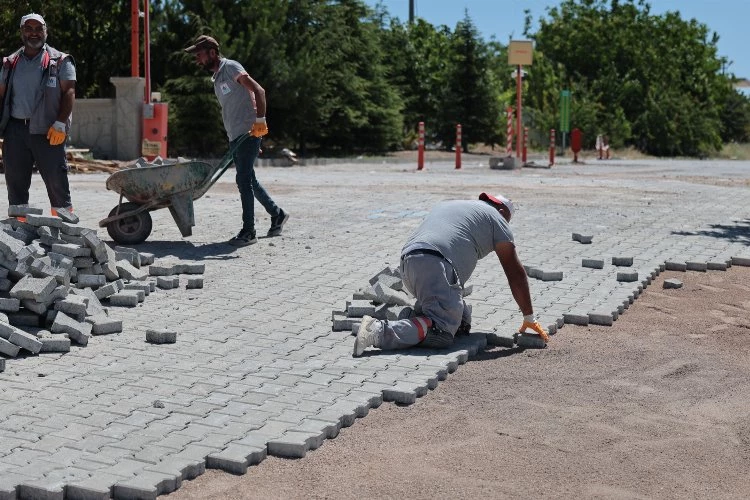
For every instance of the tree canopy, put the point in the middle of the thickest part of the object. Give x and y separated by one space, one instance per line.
344 78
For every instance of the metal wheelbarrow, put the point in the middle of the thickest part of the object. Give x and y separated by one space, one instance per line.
150 188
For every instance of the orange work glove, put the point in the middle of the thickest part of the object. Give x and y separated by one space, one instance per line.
530 322
56 134
260 128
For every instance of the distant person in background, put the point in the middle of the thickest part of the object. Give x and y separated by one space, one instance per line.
602 146
243 109
37 88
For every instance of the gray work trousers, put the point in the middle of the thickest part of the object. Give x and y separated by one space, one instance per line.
435 284
21 150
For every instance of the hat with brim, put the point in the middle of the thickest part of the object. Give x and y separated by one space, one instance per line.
499 199
202 42
32 17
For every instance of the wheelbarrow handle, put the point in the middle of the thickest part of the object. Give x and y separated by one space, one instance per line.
226 161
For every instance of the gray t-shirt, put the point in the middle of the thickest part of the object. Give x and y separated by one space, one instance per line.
464 231
237 106
27 76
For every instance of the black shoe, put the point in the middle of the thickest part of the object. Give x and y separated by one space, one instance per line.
277 223
244 238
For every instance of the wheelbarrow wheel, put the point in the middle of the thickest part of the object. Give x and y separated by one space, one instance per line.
132 229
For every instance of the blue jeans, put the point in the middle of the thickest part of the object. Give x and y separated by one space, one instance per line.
244 161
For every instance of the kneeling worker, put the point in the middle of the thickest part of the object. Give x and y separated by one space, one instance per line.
437 260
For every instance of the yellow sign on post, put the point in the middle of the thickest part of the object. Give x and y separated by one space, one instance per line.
520 52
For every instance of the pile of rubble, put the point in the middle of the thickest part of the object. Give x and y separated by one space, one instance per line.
58 278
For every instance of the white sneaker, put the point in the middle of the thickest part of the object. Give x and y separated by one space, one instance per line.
370 330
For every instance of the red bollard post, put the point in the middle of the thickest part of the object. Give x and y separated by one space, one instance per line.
551 147
420 149
509 132
525 143
458 146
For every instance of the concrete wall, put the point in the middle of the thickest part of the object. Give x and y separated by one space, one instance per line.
111 128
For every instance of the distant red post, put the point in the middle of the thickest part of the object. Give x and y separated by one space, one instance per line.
420 150
551 147
509 132
576 139
525 143
458 146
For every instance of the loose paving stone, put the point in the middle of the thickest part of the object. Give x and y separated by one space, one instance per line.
622 261
194 283
672 265
161 336
593 263
585 239
530 341
628 276
672 283
167 282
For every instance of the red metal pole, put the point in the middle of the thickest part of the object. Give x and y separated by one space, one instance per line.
519 120
525 143
135 47
146 51
551 147
420 150
509 132
458 146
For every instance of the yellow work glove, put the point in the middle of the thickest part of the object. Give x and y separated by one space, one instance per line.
56 134
530 322
260 128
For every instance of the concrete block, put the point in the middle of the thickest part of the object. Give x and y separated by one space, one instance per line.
128 271
167 282
9 305
144 286
24 318
593 263
741 261
73 305
505 163
343 323
147 258
124 298
395 313
83 262
627 276
672 265
128 255
716 266
71 250
161 336
190 268
8 349
501 339
672 283
366 293
97 246
9 245
696 266
530 341
622 261
67 216
161 270
5 284
39 308
23 211
359 308
2 365
33 288
78 331
20 338
576 318
61 261
389 296
43 220
54 343
90 280
194 283
581 238
550 275
69 229
601 318
93 305
532 272
101 324
106 291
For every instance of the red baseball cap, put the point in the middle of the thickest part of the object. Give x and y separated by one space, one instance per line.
499 199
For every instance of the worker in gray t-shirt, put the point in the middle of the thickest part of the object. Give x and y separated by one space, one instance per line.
243 110
437 260
37 89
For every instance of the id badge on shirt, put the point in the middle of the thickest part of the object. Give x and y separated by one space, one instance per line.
52 81
225 88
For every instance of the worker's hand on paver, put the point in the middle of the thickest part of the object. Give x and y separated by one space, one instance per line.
260 128
529 321
56 134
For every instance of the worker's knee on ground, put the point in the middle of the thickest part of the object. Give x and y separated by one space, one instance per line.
437 338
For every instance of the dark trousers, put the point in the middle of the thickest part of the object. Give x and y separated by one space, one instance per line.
21 150
250 188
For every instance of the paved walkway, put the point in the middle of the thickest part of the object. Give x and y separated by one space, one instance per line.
257 370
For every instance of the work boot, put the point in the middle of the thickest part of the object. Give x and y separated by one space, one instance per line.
436 338
277 223
369 333
244 238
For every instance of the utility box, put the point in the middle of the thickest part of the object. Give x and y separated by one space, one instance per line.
155 116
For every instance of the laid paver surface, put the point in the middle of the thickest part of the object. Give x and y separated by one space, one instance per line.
256 368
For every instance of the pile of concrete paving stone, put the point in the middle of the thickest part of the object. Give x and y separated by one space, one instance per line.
58 280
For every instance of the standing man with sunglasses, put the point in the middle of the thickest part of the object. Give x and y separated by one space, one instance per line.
37 88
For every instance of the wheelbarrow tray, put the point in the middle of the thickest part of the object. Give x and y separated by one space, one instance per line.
156 185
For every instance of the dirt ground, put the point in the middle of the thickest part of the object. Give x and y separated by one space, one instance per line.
655 406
